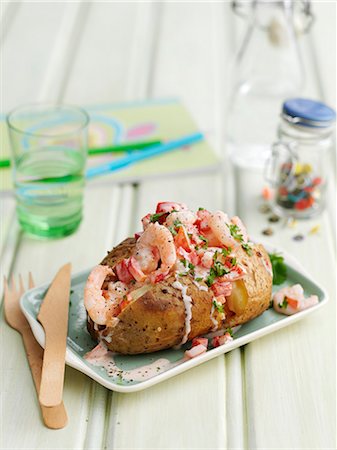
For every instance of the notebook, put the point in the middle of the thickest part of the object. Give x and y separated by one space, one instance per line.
113 124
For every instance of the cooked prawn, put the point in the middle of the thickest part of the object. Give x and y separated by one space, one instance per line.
156 243
185 217
102 304
291 299
219 234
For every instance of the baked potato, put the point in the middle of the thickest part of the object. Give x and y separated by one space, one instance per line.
210 286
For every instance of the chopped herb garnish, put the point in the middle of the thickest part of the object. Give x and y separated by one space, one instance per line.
196 247
190 235
177 223
279 268
230 331
226 251
205 240
184 261
156 217
235 232
211 277
198 279
173 231
182 274
248 249
218 306
215 255
233 262
191 267
220 269
284 304
201 209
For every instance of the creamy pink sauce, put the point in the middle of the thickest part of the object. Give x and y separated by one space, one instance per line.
100 356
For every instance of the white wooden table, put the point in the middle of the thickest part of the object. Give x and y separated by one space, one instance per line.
276 393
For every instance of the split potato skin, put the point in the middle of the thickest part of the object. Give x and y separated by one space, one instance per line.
156 321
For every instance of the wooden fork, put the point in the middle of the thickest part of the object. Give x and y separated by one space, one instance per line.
56 416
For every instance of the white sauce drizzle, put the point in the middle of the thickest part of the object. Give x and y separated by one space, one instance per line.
200 286
188 309
104 358
107 338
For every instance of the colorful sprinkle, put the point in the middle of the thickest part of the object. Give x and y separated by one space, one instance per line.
315 229
267 193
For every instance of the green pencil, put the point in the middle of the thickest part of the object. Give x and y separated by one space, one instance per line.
110 149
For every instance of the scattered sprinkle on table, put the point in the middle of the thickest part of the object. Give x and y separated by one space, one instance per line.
265 208
268 232
274 218
298 237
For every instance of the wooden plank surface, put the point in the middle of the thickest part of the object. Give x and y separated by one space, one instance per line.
123 51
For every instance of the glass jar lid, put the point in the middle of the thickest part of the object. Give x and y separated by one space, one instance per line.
308 113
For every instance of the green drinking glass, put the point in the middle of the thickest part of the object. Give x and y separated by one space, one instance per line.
49 151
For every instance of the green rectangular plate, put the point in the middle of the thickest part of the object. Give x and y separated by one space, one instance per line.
80 342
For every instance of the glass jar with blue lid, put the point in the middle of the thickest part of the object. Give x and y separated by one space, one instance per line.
299 164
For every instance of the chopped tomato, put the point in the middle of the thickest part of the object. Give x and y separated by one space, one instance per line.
200 341
235 274
220 299
222 288
195 351
146 220
157 277
194 258
221 340
181 251
167 207
202 222
182 239
123 271
135 270
293 303
138 235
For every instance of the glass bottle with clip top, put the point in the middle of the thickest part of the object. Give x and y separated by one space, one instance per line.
267 69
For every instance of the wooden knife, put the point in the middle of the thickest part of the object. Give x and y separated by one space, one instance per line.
53 316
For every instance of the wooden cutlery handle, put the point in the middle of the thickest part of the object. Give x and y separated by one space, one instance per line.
54 417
